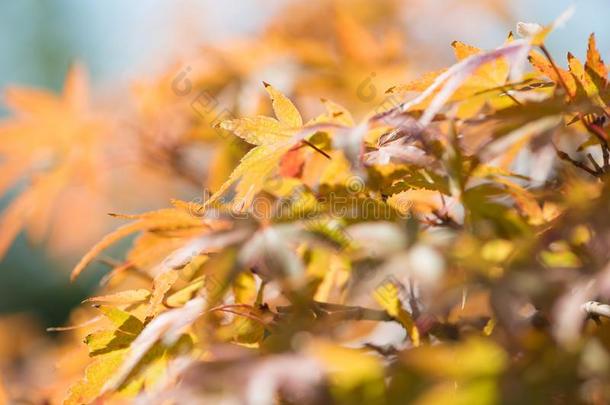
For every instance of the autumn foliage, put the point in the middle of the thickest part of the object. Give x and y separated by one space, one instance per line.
436 241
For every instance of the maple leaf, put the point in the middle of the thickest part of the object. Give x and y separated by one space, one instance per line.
113 348
546 68
170 219
168 326
272 138
490 75
388 296
54 142
448 82
122 297
595 66
249 310
109 346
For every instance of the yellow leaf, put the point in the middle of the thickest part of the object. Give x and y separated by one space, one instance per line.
122 320
476 357
249 177
122 297
335 113
96 375
247 327
490 75
244 288
489 327
525 200
420 84
497 250
542 65
480 392
595 66
258 130
560 256
166 219
578 71
388 296
462 50
256 167
161 285
283 108
106 241
349 368
106 341
183 295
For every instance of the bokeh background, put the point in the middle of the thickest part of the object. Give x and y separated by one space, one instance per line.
119 42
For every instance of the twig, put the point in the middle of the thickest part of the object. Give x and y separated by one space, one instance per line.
601 136
246 315
314 147
326 310
594 308
72 327
506 93
595 164
557 72
386 351
564 156
442 219
415 311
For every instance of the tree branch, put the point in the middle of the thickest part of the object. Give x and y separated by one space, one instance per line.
339 312
564 156
594 308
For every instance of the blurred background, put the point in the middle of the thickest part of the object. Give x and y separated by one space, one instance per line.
121 42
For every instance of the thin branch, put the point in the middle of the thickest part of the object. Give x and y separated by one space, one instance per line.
506 93
556 69
412 299
594 308
443 219
109 261
594 163
601 136
326 310
72 327
386 351
314 147
564 156
244 314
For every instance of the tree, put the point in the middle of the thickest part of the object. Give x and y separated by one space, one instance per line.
449 247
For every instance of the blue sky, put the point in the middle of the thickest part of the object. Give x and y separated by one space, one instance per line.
118 40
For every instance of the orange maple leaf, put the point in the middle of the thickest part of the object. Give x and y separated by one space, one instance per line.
53 144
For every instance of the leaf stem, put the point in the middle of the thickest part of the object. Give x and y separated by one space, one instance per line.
311 145
547 54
